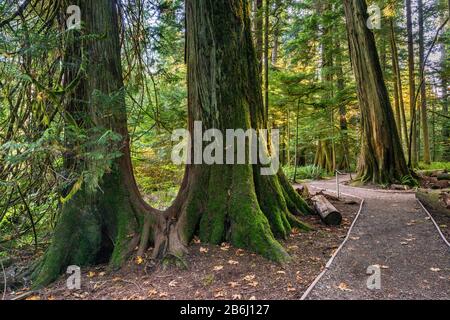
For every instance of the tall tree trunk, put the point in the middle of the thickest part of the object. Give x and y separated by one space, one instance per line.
343 124
382 160
266 59
259 30
232 203
97 226
444 77
297 140
219 203
398 78
395 78
423 89
413 161
276 31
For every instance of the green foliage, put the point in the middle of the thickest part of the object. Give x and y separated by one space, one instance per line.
409 180
435 166
310 172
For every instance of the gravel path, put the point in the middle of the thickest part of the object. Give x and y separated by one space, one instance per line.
394 233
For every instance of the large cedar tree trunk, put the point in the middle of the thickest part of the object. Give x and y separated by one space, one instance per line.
232 203
412 147
423 88
97 226
381 160
219 203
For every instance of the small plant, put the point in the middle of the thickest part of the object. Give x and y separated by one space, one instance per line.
305 173
410 181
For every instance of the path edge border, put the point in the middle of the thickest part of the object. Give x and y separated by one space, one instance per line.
434 222
336 253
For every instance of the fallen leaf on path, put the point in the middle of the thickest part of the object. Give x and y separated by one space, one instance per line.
173 284
91 274
163 295
204 250
233 263
33 298
435 269
237 297
281 272
152 292
233 284
344 287
250 277
218 268
240 252
139 260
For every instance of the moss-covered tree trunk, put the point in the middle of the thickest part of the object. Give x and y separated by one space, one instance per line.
219 203
103 225
381 160
232 203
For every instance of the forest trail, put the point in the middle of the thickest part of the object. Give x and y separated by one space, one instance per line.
394 232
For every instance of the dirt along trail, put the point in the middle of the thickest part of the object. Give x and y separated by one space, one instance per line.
394 234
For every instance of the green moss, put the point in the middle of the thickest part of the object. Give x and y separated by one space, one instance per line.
77 240
118 215
296 204
273 205
213 227
195 205
250 228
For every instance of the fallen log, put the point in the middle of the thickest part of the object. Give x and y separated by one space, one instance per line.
329 214
438 201
443 177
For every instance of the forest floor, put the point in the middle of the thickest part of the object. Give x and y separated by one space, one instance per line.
394 233
214 272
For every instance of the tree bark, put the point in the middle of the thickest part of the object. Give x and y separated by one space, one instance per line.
423 88
97 226
381 160
227 202
259 31
413 161
343 124
266 60
276 32
399 86
218 203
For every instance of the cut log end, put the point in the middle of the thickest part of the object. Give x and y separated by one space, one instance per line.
328 213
